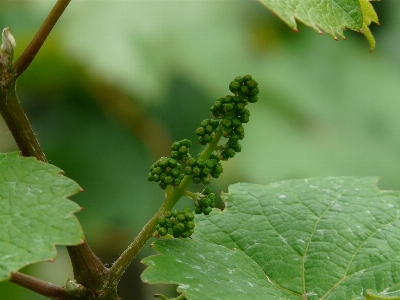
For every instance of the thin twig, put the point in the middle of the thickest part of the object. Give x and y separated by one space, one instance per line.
41 287
33 48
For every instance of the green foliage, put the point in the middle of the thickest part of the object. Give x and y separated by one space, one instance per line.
319 237
34 212
331 16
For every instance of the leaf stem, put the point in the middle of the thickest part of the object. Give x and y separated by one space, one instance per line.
172 197
18 123
33 48
41 287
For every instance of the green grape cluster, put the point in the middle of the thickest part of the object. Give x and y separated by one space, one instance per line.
206 129
206 202
202 169
233 113
167 171
179 222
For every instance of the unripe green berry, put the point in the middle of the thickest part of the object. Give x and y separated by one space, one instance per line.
207 138
207 190
239 79
229 107
168 180
187 143
218 169
185 234
196 171
219 104
201 141
209 129
207 210
189 216
167 214
158 170
172 162
254 91
162 231
168 170
200 131
236 122
251 84
244 119
161 220
233 138
234 86
150 177
190 225
247 78
253 99
196 179
230 152
226 123
192 162
180 226
244 90
175 155
176 233
205 171
239 130
211 196
175 172
214 123
174 213
188 170
204 123
164 162
206 180
183 151
227 99
162 185
201 163
205 201
181 218
177 182
198 210
169 223
210 164
181 176
175 146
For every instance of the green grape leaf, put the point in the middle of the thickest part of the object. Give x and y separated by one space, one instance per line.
34 212
374 295
331 16
317 238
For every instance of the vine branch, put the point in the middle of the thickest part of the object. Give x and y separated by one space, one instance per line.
41 287
33 48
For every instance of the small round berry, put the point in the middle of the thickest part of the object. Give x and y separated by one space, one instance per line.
188 170
189 216
226 123
229 107
175 155
201 163
236 122
169 223
239 130
244 90
174 213
196 171
207 138
253 99
198 210
196 179
161 220
181 218
234 86
239 79
164 162
183 151
180 226
207 210
168 180
254 91
251 84
162 231
175 146
200 131
205 201
167 214
177 182
204 123
190 225
175 173
210 164
205 171
211 196
207 190
209 129
187 143
185 234
162 185
206 180
192 162
247 78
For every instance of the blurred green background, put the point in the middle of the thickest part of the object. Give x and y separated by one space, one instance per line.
118 81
